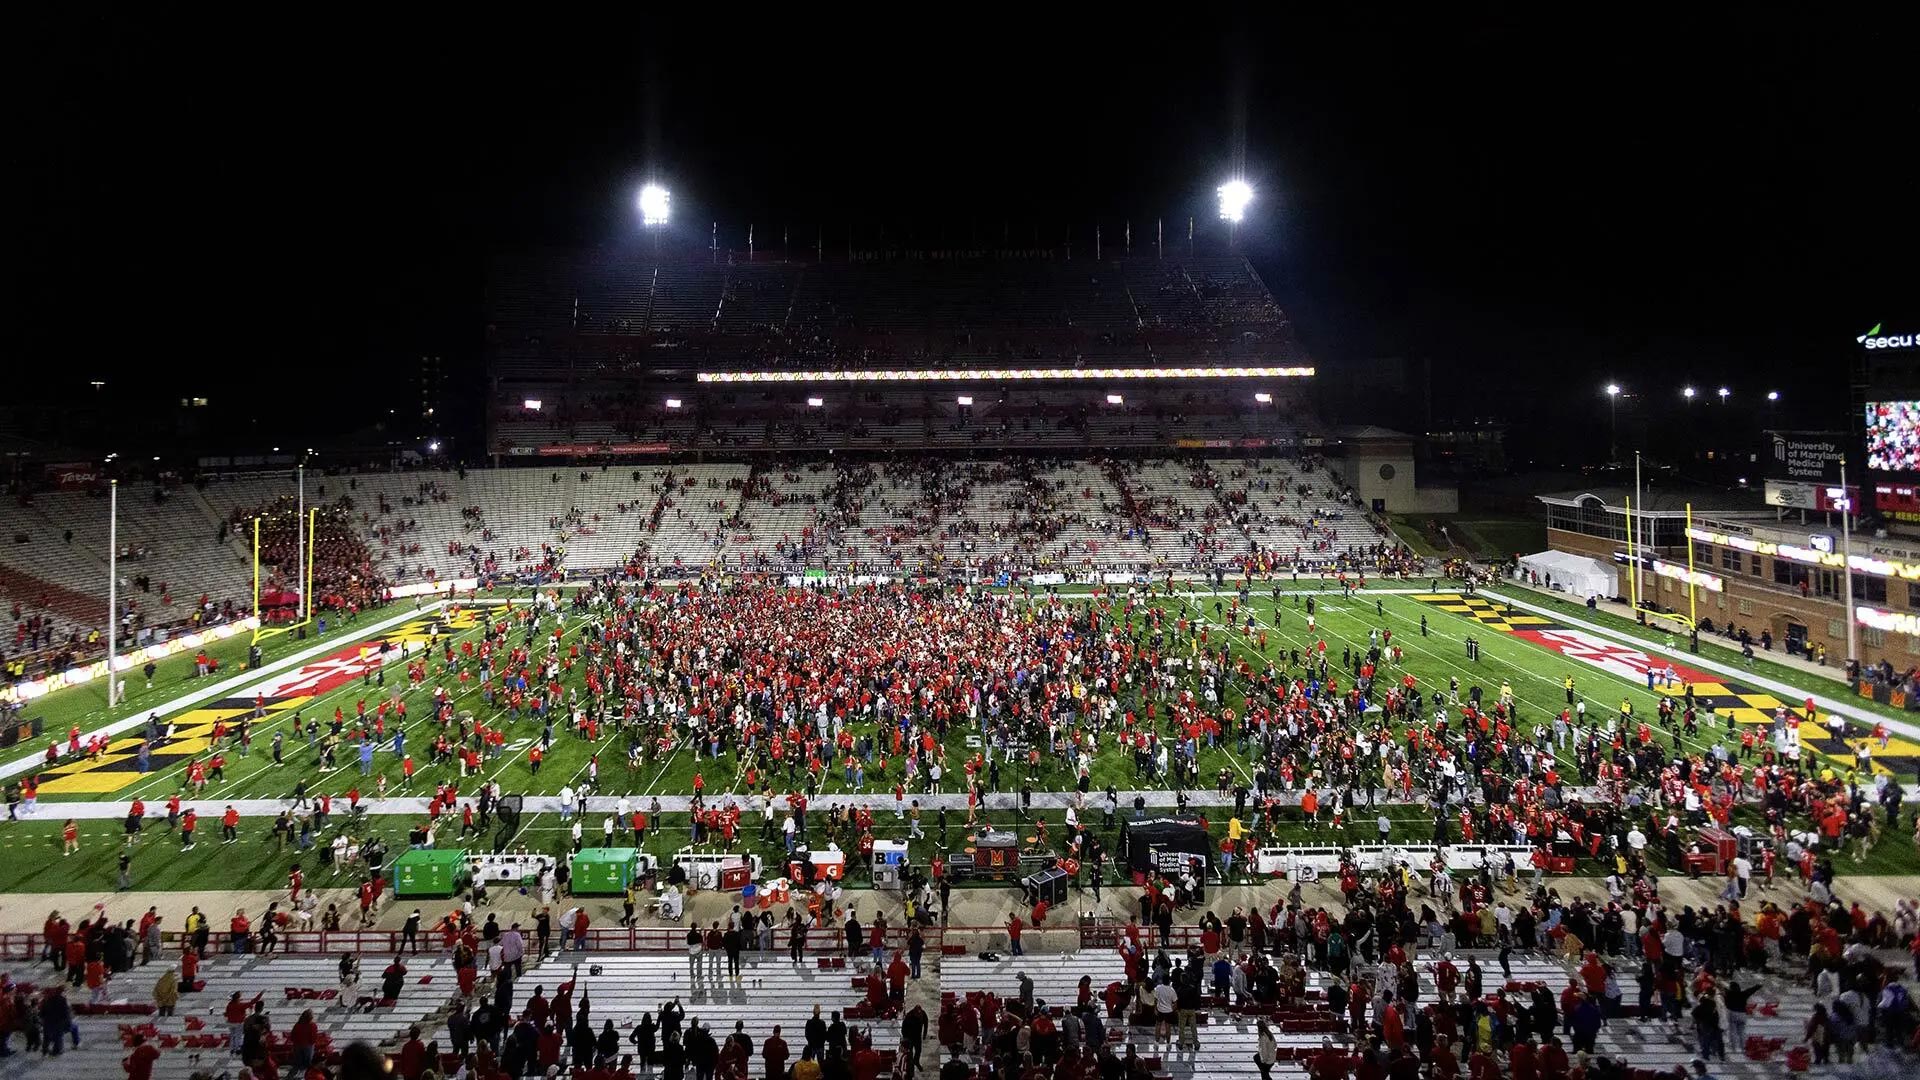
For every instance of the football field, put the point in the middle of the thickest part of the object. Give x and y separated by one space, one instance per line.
1531 653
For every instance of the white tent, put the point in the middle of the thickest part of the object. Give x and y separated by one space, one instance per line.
1575 574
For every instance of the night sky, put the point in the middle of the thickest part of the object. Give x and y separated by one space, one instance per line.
278 217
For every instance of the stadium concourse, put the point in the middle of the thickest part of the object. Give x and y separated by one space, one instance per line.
800 690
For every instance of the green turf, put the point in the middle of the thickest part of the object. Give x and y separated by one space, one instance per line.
1534 673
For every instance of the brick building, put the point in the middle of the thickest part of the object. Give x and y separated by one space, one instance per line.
1755 568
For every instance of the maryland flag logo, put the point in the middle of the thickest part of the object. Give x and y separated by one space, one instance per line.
1489 612
277 694
1726 696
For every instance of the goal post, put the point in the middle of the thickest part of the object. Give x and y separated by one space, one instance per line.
303 610
1641 559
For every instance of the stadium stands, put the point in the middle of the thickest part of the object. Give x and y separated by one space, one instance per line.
1016 513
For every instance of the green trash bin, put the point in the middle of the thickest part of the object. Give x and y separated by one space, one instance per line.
604 871
429 872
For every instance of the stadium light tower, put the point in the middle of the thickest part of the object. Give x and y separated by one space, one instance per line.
1234 196
1724 392
1613 422
656 204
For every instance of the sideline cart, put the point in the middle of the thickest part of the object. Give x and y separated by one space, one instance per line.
727 871
604 871
429 872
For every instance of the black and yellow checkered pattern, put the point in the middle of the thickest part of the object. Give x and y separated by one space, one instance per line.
1489 612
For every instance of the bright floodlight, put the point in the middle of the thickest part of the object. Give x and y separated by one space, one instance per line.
1115 399
965 399
814 402
654 204
433 447
532 404
673 403
1724 392
1773 395
1234 197
1263 397
1613 389
1687 393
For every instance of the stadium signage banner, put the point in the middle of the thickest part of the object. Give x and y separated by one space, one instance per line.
73 475
1874 339
588 449
1680 573
1229 444
1807 455
1795 495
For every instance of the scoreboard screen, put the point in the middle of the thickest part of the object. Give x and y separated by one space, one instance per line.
1893 436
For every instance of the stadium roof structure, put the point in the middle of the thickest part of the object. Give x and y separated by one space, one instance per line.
1665 500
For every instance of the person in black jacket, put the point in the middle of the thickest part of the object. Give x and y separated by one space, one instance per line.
816 1028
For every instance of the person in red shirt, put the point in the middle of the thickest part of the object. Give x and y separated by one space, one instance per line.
70 837
1013 935
230 825
139 1061
897 973
303 1038
236 1016
413 1056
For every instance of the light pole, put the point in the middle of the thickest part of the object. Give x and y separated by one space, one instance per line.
1846 557
1613 422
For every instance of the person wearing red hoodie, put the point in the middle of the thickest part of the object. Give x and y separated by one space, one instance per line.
139 1061
1393 1029
897 973
304 1038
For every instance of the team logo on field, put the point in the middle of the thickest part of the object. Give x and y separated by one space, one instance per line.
1726 697
280 693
